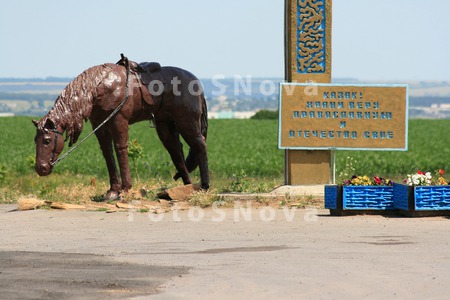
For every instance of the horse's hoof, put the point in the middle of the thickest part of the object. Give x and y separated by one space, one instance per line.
112 196
205 186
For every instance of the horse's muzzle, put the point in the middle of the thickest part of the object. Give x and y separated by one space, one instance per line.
43 169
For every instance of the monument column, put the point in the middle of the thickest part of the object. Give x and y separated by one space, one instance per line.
307 59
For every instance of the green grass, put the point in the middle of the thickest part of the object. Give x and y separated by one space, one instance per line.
234 147
253 149
428 150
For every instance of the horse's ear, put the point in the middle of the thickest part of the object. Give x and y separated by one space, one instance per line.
35 122
49 124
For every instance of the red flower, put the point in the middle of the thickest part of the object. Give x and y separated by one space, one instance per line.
377 179
420 172
441 172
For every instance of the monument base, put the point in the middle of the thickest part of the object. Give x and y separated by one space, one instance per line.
307 167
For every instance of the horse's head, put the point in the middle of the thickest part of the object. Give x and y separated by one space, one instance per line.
49 144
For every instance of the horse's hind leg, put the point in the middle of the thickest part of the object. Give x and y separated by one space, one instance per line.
171 140
191 160
191 163
197 153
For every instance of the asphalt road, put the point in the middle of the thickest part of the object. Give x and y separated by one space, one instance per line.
240 253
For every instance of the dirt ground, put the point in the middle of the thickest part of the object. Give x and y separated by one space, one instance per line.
240 252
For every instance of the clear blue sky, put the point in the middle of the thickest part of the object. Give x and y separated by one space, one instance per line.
372 39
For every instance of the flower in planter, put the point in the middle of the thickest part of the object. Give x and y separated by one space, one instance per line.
441 180
425 178
366 180
382 181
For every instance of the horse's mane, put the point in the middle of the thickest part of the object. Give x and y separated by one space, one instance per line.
74 104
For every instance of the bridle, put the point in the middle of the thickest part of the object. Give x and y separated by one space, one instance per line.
57 133
53 163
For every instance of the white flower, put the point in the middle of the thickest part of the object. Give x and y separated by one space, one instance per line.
419 179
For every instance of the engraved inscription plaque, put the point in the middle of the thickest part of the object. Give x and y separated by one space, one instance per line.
339 116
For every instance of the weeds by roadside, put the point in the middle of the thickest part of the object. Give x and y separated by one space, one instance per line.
203 198
241 183
301 201
84 190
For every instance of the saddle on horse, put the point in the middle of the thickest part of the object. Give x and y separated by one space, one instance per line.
151 75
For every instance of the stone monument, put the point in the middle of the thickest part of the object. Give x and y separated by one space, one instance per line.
317 117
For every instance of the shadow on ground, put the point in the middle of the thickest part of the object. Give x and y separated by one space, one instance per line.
39 275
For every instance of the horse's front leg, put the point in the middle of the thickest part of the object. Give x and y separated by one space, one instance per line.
105 140
120 139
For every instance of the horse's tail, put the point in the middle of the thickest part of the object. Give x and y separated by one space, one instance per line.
204 117
192 159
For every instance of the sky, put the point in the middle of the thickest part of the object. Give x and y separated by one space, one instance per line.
371 39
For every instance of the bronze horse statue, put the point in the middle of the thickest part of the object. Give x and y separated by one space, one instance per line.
122 94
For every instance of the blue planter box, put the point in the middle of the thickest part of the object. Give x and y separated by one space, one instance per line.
422 200
340 199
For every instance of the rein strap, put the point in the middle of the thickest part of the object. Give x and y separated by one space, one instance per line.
99 126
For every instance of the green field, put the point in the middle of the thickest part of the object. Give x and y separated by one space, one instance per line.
234 147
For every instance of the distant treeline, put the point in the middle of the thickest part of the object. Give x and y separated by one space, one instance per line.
27 96
413 101
428 100
47 79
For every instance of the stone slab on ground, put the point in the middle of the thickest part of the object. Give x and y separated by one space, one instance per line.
180 193
279 193
300 190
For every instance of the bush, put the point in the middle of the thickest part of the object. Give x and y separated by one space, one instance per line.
265 114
